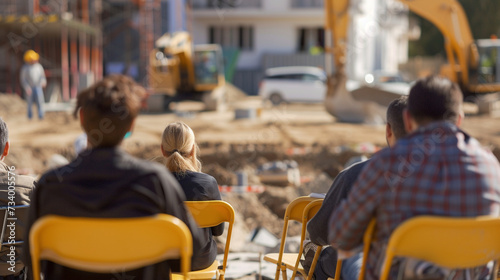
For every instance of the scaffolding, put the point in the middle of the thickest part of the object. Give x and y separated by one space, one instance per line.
68 35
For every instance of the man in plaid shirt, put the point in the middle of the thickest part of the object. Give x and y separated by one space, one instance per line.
436 170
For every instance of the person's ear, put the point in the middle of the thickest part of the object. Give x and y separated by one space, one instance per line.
460 118
80 113
132 125
5 151
192 151
408 120
388 131
163 151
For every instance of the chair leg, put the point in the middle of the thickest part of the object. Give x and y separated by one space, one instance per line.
314 262
338 269
283 272
278 270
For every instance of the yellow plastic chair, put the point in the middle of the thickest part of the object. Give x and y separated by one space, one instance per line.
311 209
209 214
440 240
367 239
73 242
294 212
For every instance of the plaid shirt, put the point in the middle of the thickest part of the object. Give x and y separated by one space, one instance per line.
437 170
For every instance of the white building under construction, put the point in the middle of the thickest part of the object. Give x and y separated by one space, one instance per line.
271 33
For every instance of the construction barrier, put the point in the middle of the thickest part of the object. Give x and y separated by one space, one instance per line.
241 189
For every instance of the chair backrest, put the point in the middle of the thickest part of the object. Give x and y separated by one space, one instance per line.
212 213
294 211
16 214
103 245
455 243
367 241
309 211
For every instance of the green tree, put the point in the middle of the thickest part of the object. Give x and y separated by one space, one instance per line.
483 18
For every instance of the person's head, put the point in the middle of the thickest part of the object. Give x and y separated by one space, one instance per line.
31 57
108 109
433 99
4 140
395 128
179 148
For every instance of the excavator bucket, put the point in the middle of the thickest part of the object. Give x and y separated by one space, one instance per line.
383 97
363 105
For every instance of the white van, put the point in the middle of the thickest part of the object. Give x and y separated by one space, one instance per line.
293 84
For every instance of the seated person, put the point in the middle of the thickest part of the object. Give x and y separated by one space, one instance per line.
318 226
23 187
179 148
106 182
437 169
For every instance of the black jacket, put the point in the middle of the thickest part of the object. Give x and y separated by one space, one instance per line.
109 183
318 225
198 187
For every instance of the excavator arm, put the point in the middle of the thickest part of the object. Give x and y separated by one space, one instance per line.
339 102
336 28
449 17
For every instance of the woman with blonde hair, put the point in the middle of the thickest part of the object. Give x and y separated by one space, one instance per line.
179 148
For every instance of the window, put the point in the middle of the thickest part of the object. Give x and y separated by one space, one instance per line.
240 37
307 3
295 77
311 77
226 4
310 38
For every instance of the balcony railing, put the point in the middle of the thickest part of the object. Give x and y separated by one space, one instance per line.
307 3
225 4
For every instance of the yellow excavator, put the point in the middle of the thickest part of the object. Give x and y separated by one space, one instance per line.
471 64
179 70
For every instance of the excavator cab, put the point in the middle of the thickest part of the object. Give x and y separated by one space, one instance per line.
177 67
489 61
208 67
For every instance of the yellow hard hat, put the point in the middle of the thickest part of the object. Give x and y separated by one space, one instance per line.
30 56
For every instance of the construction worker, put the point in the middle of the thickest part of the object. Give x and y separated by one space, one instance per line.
33 81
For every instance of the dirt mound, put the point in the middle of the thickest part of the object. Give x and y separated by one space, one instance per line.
320 184
222 175
11 105
233 93
34 160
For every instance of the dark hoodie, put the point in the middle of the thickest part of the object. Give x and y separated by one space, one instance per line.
109 183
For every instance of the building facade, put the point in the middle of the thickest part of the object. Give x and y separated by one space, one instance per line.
270 33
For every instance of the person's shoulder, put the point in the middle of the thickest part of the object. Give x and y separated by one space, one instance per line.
352 171
382 155
20 181
482 152
356 167
23 181
200 176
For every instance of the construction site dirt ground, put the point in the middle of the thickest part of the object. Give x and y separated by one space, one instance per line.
304 133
